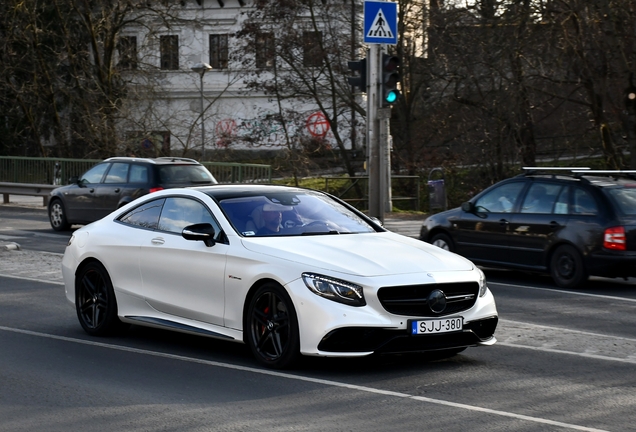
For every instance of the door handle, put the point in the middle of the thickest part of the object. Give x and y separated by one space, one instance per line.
117 190
504 222
157 241
554 225
92 190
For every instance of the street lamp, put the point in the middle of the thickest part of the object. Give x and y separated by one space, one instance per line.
201 69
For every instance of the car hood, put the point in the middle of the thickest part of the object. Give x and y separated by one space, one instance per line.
374 254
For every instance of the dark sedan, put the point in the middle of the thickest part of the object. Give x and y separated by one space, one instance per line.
570 223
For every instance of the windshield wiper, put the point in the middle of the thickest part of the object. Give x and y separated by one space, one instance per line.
308 233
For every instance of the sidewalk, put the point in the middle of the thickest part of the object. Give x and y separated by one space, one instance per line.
24 201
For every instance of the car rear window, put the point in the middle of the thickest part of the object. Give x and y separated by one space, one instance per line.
625 198
185 175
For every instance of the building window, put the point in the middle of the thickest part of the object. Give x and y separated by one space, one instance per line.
265 50
312 53
218 51
169 52
127 50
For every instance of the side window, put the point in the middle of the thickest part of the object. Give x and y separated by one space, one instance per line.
178 213
584 203
138 174
144 216
561 206
118 173
95 174
540 198
501 199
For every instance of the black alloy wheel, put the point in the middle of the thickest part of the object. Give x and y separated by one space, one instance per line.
566 267
272 327
57 216
442 241
95 301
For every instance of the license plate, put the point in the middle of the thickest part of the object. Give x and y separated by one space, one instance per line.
444 325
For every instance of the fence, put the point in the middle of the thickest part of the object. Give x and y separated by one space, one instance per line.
39 176
404 189
57 171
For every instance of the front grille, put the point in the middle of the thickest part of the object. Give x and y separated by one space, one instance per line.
412 300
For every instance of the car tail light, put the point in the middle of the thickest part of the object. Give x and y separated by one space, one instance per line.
157 189
614 238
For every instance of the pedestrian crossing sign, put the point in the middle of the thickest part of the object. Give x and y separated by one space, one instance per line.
380 22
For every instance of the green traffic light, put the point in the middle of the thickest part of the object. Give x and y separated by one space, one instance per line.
391 97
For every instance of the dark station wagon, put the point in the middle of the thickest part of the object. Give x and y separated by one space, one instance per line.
117 181
571 223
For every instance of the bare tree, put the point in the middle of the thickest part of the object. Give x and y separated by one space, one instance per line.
69 79
307 44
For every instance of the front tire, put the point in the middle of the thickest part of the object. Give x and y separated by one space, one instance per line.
272 327
95 301
57 216
566 267
442 241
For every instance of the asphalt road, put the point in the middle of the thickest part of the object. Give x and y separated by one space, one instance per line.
565 360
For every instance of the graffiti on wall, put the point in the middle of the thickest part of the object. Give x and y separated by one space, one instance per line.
267 130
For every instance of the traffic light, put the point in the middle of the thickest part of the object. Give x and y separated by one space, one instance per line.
390 78
359 81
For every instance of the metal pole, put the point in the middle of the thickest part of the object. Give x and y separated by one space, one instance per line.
376 208
353 55
202 121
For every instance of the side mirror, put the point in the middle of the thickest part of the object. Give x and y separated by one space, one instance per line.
468 207
377 221
73 180
200 232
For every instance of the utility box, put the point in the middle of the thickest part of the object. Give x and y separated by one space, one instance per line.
436 190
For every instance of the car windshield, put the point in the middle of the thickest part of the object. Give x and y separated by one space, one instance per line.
292 214
185 175
625 198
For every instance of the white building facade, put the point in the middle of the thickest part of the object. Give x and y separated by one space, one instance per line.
163 113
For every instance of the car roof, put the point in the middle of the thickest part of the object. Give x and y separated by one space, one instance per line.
599 178
155 161
224 191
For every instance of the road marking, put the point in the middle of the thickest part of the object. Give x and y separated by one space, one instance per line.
308 379
564 292
555 351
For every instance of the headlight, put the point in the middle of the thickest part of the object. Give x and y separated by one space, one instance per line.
70 241
335 289
483 286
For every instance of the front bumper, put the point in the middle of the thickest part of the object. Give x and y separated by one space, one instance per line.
332 329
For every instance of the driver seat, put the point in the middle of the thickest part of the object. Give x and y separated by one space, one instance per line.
255 221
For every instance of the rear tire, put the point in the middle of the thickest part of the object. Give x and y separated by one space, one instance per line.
567 268
95 301
57 216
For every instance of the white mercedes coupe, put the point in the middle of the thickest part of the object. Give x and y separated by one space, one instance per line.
286 270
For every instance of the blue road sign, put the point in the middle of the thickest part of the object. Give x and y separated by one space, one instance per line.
380 22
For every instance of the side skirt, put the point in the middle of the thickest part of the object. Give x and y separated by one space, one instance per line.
172 325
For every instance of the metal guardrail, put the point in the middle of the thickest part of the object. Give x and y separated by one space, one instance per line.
39 176
30 189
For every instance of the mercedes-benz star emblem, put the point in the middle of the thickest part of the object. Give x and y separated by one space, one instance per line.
437 301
